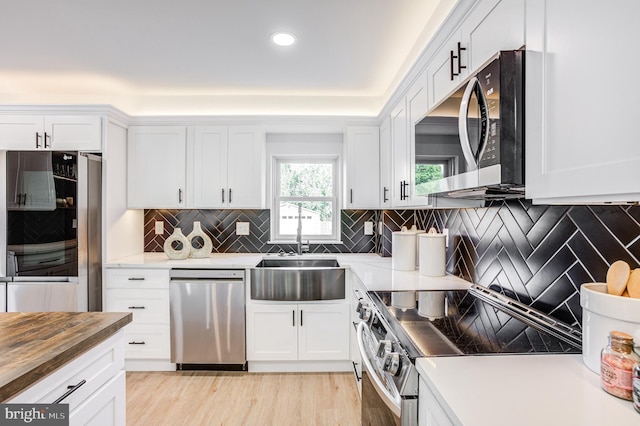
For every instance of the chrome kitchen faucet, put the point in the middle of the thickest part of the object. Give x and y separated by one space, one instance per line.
302 248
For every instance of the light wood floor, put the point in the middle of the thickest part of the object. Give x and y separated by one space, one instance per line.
228 398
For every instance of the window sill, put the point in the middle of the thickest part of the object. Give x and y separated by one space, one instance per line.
311 242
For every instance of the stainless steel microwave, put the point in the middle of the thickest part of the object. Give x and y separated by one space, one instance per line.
471 145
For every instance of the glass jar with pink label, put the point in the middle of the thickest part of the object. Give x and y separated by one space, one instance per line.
616 365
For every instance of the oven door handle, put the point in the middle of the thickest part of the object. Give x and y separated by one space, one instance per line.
393 402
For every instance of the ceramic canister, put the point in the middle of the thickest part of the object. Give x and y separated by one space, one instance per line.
403 250
432 254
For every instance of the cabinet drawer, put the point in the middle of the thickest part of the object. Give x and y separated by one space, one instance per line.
96 367
147 341
147 306
137 278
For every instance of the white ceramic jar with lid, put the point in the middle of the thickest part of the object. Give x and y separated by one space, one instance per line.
433 253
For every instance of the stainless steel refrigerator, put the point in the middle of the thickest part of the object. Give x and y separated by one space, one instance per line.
53 231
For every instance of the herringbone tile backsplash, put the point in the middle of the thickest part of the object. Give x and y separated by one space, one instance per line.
539 255
220 225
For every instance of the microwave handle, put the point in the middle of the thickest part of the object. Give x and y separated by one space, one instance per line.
472 161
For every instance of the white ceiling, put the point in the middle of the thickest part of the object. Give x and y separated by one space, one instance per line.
201 57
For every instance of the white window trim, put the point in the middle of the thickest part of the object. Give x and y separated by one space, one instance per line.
275 236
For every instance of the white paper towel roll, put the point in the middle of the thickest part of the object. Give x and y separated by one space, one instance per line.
403 250
432 254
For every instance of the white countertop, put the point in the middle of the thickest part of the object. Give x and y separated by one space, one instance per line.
523 390
374 271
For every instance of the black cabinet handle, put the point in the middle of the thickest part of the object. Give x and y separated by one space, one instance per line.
384 195
460 66
223 195
71 389
355 371
351 196
38 138
179 195
136 278
137 307
293 312
46 136
137 343
403 190
229 195
452 57
300 317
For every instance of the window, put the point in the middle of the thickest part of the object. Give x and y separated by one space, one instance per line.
305 188
429 169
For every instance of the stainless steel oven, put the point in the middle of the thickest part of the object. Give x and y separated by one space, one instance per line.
391 336
389 378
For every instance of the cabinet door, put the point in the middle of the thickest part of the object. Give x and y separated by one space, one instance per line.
272 332
246 167
106 407
207 171
400 155
416 110
363 161
386 178
439 71
480 30
81 133
431 412
323 333
581 109
21 132
156 167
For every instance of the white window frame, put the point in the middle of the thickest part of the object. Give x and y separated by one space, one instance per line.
276 236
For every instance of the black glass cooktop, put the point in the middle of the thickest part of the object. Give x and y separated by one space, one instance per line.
464 325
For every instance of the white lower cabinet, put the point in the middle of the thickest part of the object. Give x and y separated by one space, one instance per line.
144 293
106 407
287 332
99 378
430 412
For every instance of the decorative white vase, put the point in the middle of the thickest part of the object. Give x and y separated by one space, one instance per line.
172 253
207 246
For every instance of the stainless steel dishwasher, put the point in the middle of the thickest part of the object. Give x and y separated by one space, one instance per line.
207 319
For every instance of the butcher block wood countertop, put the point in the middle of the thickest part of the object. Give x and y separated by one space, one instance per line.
34 344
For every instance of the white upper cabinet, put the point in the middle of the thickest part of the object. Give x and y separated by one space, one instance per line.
207 176
417 100
447 69
226 167
491 26
386 177
156 167
50 132
363 171
581 109
400 154
196 167
246 167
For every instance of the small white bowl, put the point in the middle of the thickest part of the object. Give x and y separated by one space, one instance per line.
603 313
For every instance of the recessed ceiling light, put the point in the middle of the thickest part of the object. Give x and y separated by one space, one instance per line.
283 39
